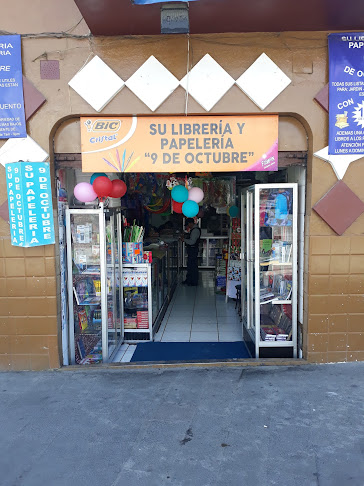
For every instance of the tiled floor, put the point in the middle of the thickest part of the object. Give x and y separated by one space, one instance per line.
195 314
199 314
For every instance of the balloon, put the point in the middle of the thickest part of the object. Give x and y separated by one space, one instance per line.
179 194
190 209
177 207
195 194
118 188
233 211
95 175
84 192
102 186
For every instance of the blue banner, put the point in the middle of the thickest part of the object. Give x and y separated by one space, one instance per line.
346 93
12 115
30 203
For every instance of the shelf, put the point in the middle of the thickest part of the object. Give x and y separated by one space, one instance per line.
276 344
137 330
94 302
275 263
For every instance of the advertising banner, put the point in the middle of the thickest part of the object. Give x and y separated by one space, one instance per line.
180 144
12 115
30 203
346 93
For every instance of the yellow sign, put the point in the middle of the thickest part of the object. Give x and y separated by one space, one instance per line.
180 144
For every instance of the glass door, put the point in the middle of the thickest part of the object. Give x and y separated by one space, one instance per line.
113 267
243 259
276 269
85 285
250 312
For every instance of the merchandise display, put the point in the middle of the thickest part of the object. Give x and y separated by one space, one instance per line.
271 286
93 284
220 272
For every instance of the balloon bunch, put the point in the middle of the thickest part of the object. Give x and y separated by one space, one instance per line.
186 201
100 186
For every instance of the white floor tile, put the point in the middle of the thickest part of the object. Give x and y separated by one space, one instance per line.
179 326
204 337
179 320
230 336
209 313
228 320
128 354
176 337
204 327
204 320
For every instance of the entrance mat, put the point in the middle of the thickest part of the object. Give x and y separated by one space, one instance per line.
169 351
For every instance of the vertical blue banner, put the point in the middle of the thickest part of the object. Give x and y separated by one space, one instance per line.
12 114
346 93
30 203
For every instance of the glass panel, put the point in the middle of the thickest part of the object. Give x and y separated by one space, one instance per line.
135 296
275 258
250 262
202 253
86 281
155 306
276 322
113 283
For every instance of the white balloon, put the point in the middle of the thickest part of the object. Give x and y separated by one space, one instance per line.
195 194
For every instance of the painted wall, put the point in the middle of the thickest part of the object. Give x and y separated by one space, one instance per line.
334 266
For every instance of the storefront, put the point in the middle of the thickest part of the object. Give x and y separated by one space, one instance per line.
123 297
329 270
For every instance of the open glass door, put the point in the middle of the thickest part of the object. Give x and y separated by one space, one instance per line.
243 260
250 311
114 272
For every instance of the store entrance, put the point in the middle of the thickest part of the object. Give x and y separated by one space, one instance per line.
150 314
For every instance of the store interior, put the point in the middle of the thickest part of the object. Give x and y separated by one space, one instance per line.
160 319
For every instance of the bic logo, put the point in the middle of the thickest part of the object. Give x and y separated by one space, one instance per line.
103 125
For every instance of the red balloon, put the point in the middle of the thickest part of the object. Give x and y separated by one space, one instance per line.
118 188
102 186
177 207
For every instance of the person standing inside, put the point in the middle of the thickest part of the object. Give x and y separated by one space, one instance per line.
192 242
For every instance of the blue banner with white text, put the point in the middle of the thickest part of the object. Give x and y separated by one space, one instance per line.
12 114
30 203
346 93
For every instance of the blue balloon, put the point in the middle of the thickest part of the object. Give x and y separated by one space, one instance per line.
96 175
179 194
190 209
233 211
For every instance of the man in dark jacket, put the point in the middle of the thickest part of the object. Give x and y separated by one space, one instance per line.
192 242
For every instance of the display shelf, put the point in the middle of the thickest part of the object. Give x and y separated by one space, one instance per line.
271 263
93 288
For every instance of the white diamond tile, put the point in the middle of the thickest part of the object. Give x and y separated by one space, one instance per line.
152 83
26 149
339 163
96 83
207 82
263 81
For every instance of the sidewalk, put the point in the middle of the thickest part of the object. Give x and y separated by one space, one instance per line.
253 426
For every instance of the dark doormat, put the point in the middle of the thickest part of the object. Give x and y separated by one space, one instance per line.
156 351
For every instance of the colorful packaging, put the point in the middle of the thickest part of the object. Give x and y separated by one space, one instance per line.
133 252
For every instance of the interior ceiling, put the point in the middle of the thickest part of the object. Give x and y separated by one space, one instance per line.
121 17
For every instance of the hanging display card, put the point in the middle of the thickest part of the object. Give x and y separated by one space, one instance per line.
30 203
180 144
12 114
346 93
